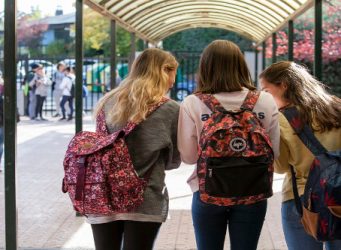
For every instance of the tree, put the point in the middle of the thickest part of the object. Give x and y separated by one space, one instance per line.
58 48
97 35
30 31
197 39
304 43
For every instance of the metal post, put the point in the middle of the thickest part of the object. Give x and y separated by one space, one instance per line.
291 40
113 54
318 40
146 44
274 47
10 124
264 55
79 66
132 49
256 66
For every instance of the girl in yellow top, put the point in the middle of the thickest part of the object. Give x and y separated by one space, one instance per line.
292 85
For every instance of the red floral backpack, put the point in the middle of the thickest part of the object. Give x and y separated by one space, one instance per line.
235 164
99 175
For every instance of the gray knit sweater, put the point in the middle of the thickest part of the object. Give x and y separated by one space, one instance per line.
152 144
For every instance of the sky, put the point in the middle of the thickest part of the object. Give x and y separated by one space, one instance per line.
47 7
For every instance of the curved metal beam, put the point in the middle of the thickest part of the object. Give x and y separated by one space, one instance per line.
164 14
234 22
256 19
199 25
154 5
228 25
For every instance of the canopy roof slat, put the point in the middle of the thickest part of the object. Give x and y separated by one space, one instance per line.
154 20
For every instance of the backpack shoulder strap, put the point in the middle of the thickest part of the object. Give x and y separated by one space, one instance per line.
250 100
101 126
305 133
131 125
211 102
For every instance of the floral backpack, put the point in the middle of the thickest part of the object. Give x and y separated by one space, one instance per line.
235 164
99 175
321 208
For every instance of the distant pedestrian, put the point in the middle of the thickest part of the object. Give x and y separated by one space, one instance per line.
41 83
32 101
67 87
57 79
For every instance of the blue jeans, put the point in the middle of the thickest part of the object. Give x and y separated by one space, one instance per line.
295 236
64 100
244 223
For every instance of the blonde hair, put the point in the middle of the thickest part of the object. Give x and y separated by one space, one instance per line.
315 105
145 85
223 68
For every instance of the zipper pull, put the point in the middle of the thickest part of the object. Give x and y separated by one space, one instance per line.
210 172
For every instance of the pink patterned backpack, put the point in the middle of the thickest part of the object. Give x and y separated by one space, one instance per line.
235 164
99 175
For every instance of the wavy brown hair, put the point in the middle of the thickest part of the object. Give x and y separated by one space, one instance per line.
315 105
145 85
223 68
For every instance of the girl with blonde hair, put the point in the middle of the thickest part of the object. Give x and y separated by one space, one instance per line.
292 86
152 146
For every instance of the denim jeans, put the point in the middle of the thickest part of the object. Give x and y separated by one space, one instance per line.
244 224
295 236
64 100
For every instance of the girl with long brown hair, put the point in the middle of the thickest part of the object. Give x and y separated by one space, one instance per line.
292 86
224 77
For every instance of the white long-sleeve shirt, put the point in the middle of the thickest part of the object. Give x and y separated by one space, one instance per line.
41 83
66 84
190 123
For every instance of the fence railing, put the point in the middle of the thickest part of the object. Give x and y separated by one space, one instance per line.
96 77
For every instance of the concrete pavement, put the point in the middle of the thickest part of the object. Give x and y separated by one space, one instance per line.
47 221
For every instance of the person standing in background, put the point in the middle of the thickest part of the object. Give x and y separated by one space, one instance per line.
41 83
32 102
67 89
57 92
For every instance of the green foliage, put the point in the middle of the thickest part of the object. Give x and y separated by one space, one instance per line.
198 39
97 36
59 48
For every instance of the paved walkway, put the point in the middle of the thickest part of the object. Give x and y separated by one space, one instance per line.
45 217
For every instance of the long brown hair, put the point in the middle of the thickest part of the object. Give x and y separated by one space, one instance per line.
223 68
145 85
315 105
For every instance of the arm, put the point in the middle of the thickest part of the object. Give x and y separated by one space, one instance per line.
269 117
33 81
63 84
174 154
274 133
187 137
282 162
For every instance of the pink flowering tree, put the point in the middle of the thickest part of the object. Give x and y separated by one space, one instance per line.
304 43
29 33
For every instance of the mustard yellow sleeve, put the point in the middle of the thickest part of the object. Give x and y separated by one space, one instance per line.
282 162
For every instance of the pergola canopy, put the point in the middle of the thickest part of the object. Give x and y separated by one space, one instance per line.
154 20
